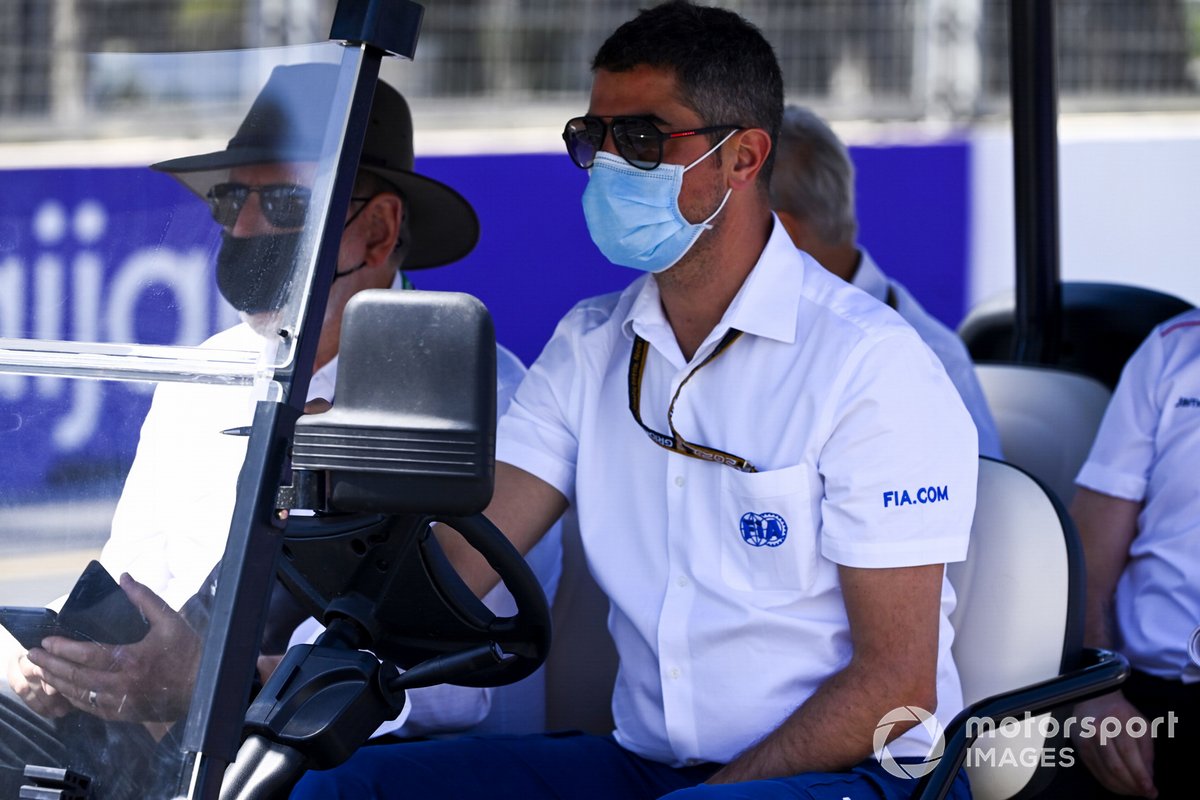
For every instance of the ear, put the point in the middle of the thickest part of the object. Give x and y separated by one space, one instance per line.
381 226
753 147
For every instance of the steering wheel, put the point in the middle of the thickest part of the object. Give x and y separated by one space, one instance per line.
388 575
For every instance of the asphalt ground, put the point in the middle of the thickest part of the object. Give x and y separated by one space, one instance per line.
44 548
37 579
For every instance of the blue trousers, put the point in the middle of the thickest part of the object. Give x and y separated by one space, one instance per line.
570 766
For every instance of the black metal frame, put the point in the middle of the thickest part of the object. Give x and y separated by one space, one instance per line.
1088 327
371 29
1102 671
1035 168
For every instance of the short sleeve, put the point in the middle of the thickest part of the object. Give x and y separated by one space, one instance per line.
900 464
509 374
537 433
1123 453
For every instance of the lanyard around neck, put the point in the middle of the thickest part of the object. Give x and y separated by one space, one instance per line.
675 442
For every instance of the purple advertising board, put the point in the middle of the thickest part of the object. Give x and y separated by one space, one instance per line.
125 254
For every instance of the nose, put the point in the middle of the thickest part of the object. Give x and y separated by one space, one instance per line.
608 142
250 219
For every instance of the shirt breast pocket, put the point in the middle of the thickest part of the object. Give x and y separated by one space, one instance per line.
768 529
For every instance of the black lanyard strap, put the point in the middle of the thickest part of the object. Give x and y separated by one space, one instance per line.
675 442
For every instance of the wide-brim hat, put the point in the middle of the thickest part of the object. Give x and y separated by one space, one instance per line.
288 121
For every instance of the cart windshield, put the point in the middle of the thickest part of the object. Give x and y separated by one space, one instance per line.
158 241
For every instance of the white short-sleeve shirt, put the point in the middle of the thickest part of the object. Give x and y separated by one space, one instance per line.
1146 451
945 344
725 603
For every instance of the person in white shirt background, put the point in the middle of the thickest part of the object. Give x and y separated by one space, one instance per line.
173 517
1137 508
812 192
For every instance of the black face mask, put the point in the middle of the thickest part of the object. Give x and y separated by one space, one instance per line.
253 271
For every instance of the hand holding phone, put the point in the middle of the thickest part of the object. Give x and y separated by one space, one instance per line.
150 680
96 610
30 625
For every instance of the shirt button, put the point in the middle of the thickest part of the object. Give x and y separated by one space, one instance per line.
675 673
679 481
682 581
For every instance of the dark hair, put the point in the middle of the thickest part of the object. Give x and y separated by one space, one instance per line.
726 71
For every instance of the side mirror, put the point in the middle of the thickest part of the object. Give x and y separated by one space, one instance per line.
409 441
414 425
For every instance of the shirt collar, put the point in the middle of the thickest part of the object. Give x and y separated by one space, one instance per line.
645 317
766 304
869 277
324 380
769 300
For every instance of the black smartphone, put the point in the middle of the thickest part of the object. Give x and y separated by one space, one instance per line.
30 625
96 610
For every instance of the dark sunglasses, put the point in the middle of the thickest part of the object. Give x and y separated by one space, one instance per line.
284 205
636 139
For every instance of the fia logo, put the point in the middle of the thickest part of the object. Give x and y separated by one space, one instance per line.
763 529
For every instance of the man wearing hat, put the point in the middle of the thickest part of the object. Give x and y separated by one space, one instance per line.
268 169
259 190
173 516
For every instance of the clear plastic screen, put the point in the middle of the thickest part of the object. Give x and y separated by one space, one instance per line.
127 385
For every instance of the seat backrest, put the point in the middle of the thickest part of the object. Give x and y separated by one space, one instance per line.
1102 324
582 664
1046 418
1019 616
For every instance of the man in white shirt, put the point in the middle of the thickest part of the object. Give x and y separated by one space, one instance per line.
770 469
171 523
812 193
1138 514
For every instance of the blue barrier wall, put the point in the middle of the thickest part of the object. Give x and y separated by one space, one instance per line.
93 255
535 258
914 216
74 244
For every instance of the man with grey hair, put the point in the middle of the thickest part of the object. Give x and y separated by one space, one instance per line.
812 192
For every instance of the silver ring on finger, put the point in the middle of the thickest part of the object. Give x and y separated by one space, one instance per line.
92 698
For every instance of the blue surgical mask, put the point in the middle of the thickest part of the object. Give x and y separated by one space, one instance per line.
633 214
